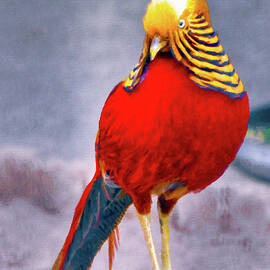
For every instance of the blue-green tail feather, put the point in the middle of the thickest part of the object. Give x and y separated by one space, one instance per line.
103 211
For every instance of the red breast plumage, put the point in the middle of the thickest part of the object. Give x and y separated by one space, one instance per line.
169 128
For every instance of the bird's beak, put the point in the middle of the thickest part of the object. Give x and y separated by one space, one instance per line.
151 47
156 46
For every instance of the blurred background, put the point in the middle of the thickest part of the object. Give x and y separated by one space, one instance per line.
59 61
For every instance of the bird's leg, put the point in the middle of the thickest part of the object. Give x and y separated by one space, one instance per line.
166 202
165 250
165 231
145 223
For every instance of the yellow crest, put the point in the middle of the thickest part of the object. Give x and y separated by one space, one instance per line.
184 28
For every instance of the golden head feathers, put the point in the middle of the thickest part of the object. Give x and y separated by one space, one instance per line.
163 16
184 28
159 18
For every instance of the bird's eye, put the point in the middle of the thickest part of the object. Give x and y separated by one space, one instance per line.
182 23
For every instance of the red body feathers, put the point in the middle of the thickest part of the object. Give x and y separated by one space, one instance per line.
169 128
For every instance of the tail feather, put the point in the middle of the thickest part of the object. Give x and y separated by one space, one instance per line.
113 245
99 211
76 219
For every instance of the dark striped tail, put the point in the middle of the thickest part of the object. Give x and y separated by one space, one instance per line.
99 211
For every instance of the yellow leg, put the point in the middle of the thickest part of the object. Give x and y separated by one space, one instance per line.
145 223
165 249
166 202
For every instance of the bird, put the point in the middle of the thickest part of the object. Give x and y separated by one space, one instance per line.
170 128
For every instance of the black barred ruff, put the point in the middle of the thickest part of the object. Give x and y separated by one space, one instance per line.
199 49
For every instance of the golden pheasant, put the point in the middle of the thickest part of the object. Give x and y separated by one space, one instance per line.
171 127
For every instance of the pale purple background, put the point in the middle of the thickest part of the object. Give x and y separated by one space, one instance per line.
59 61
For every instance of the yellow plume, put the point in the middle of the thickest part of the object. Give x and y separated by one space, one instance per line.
198 7
159 18
162 16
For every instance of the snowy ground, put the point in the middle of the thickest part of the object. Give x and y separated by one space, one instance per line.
59 61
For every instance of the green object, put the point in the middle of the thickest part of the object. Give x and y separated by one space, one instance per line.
259 123
266 134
